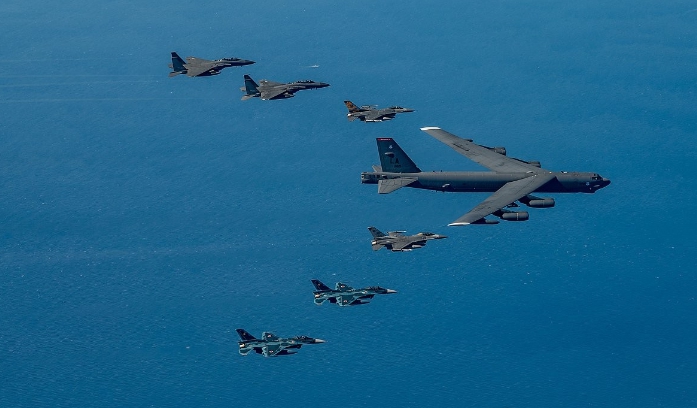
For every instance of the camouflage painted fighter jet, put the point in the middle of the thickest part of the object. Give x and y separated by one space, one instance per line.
268 90
396 241
344 295
194 67
509 180
270 345
368 113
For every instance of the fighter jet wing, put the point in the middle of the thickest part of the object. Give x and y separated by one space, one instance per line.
196 70
401 245
271 350
272 93
480 154
374 115
507 194
348 300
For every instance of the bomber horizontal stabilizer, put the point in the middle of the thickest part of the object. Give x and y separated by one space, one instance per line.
390 185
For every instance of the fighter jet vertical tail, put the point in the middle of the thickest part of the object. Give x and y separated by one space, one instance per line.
244 335
393 159
319 285
177 65
376 232
352 108
250 87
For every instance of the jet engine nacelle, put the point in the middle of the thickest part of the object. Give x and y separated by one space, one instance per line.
541 203
537 202
514 216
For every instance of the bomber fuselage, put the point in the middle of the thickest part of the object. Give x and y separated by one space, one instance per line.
479 181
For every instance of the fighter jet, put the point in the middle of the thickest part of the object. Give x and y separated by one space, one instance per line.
368 113
344 295
267 90
510 180
270 345
195 67
396 241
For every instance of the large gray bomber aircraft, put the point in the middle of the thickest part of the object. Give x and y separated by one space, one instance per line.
270 345
195 67
268 90
372 114
510 179
396 241
344 295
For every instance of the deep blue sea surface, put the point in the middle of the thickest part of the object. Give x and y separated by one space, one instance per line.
144 218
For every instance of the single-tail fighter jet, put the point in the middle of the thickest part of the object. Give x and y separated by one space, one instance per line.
195 67
509 180
344 295
368 113
268 90
396 241
270 345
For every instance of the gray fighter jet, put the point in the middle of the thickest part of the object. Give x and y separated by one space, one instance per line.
367 113
510 180
396 241
267 90
195 67
344 295
270 345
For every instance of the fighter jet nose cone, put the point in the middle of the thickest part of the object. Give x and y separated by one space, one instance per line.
606 182
389 291
319 341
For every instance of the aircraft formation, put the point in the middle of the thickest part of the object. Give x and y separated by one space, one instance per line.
512 182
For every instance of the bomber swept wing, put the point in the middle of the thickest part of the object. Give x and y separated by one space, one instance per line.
485 156
489 158
509 193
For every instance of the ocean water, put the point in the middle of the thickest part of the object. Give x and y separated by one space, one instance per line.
144 218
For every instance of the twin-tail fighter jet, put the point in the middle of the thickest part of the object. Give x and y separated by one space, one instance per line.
344 295
195 67
510 179
368 113
270 345
268 90
396 241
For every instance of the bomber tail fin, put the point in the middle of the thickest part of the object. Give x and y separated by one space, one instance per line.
244 335
251 88
393 159
319 285
177 65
